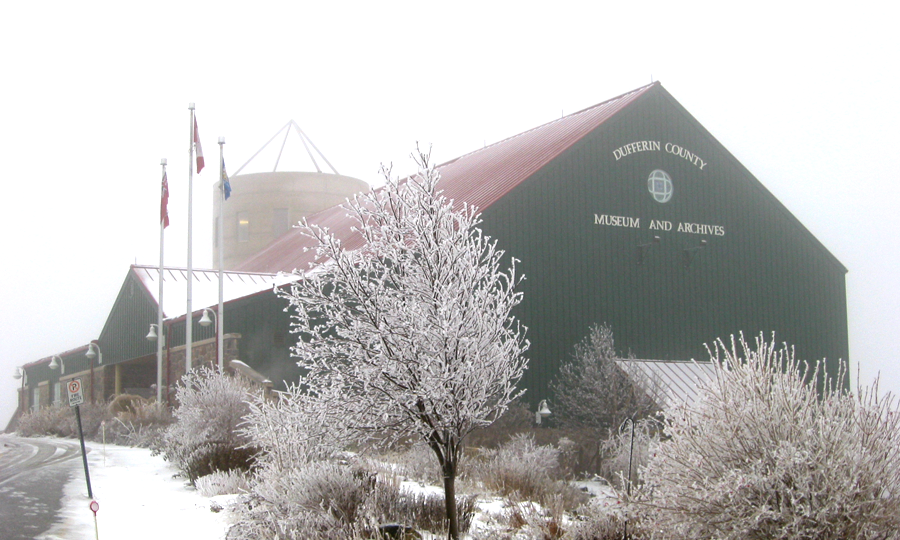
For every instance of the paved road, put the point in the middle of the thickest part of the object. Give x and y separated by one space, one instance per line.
32 475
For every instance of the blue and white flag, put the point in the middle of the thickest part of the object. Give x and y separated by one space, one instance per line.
226 185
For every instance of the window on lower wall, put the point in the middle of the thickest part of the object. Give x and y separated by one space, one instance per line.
57 393
35 399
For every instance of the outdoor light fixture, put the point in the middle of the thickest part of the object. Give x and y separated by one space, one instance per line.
17 374
151 335
690 252
205 320
642 248
542 412
93 351
57 363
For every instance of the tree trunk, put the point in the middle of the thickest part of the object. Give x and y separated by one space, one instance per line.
450 500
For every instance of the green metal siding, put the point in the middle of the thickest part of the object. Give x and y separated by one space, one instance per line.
124 334
767 273
265 336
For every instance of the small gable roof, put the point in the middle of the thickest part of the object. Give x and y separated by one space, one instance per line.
676 382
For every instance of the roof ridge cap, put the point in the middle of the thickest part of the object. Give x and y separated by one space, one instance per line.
501 141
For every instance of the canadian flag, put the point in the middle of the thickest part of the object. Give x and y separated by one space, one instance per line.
199 148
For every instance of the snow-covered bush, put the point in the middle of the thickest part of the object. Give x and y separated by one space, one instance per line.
143 424
421 510
519 467
330 499
524 470
205 436
619 448
417 463
762 454
292 428
59 421
594 521
223 483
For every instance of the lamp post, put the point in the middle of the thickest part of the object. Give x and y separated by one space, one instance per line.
206 321
630 456
542 412
156 333
56 362
94 351
20 373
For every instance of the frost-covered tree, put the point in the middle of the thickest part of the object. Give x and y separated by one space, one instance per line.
592 391
763 454
410 334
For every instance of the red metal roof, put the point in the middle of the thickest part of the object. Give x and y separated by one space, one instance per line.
479 178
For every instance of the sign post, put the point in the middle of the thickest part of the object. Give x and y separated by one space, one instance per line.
94 507
76 397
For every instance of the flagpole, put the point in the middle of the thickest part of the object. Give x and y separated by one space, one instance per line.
159 308
220 319
189 315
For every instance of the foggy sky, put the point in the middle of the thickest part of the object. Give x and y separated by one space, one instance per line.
95 93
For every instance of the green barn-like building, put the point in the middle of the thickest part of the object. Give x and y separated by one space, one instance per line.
627 213
632 214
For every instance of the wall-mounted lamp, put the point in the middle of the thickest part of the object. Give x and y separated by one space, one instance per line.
690 252
642 248
542 412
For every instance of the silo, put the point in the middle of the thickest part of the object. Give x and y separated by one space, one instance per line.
265 205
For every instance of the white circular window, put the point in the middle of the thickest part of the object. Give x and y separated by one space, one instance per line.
659 183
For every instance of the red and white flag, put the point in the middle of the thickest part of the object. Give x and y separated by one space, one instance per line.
164 203
199 149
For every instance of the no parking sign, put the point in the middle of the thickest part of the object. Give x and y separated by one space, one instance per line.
75 392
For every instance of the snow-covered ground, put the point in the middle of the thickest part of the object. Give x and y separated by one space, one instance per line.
139 498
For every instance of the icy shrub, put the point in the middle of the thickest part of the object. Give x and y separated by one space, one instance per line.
223 483
762 454
417 462
143 424
321 499
59 421
619 448
421 510
125 403
596 522
525 471
204 437
290 429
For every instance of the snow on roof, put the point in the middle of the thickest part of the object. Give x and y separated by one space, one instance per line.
205 287
677 381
